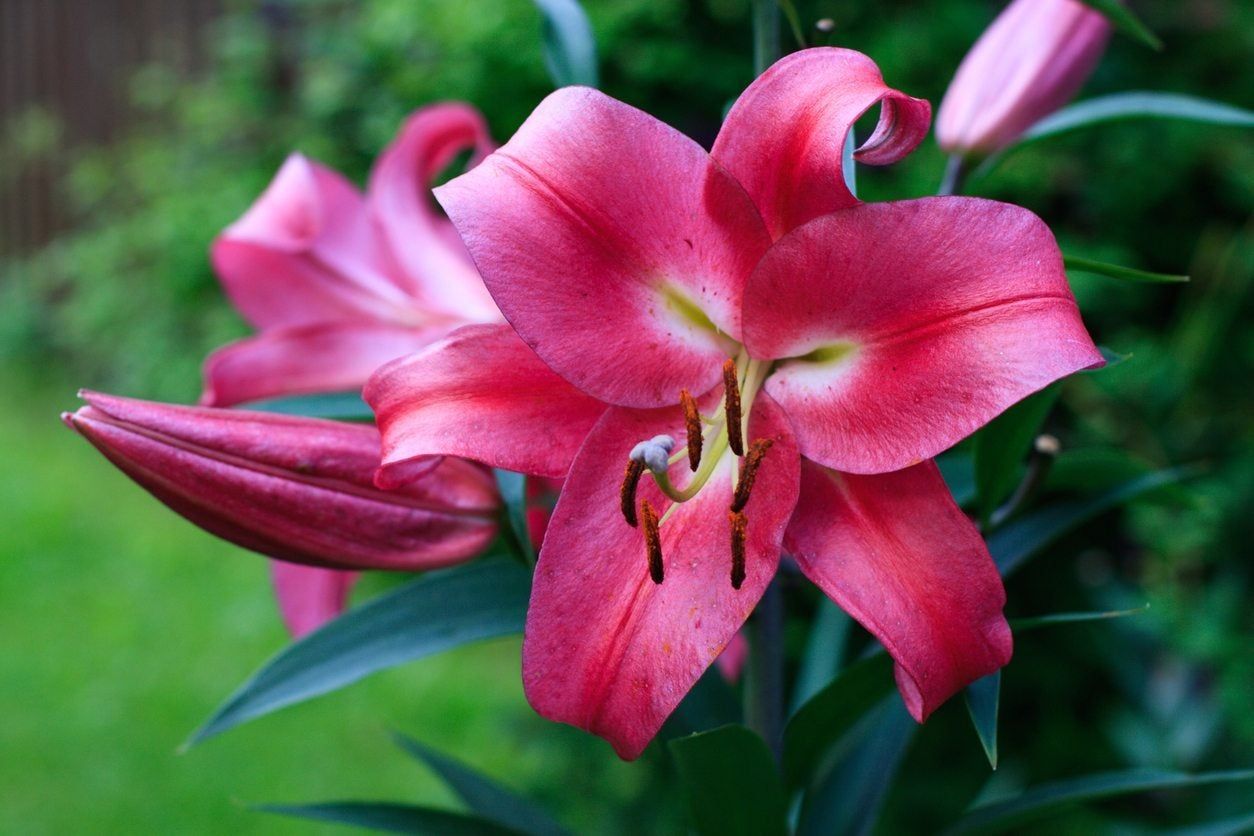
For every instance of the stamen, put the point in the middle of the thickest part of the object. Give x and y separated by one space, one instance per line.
652 541
749 472
731 389
738 524
627 495
692 422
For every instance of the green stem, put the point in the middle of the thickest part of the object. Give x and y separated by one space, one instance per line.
955 176
765 35
764 692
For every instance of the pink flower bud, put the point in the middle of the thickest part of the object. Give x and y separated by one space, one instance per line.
1033 58
296 489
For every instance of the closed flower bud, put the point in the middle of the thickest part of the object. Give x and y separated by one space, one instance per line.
295 489
1031 61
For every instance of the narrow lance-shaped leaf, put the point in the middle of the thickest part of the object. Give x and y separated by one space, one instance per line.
1019 540
832 712
983 699
437 612
1122 18
958 471
1139 105
334 406
824 652
1115 271
392 818
570 52
1001 446
848 800
513 488
1022 625
1040 801
482 795
731 783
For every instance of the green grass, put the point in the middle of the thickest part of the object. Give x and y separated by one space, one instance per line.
121 628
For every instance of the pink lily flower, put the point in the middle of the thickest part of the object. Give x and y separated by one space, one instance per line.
1031 61
299 490
729 356
339 283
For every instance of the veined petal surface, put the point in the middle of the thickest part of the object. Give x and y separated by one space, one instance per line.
614 245
785 136
901 328
484 395
434 263
608 650
896 553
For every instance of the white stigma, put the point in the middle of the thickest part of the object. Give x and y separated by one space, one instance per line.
654 453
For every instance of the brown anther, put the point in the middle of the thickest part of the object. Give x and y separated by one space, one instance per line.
692 423
627 495
749 472
652 541
731 389
738 524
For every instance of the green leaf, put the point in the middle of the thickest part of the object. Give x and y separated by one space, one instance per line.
570 49
1116 271
848 799
336 406
731 783
483 795
1045 799
437 612
832 712
1020 625
958 471
1138 105
513 488
1001 446
1113 358
1122 18
983 699
711 703
392 818
1224 827
1016 542
824 652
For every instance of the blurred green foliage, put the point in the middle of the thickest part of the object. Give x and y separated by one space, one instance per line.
126 302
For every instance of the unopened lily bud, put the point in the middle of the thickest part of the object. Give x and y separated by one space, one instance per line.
296 489
1031 61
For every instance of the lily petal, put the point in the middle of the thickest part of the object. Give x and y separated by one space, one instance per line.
608 650
309 596
307 251
903 327
896 553
435 263
614 246
291 488
306 359
784 137
484 395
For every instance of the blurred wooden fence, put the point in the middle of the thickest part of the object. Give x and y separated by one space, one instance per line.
70 60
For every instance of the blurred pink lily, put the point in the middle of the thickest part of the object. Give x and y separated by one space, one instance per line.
814 353
1034 57
338 283
299 490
